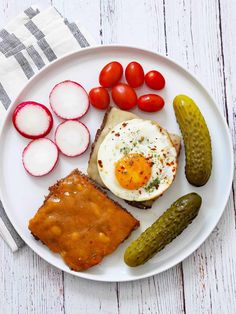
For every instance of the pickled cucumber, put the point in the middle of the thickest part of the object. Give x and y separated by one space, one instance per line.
165 229
197 141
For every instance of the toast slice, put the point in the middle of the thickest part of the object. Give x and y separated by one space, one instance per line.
112 117
80 222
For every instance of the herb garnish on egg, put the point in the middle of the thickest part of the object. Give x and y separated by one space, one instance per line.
153 185
125 150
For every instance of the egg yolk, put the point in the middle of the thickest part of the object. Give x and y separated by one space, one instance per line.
133 171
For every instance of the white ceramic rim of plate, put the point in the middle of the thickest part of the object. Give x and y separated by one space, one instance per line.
204 236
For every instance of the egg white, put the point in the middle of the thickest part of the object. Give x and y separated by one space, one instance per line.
142 137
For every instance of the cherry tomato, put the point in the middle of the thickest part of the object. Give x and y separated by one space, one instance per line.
124 96
134 74
99 98
111 74
150 102
155 80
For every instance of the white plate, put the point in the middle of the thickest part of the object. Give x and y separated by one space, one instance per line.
22 194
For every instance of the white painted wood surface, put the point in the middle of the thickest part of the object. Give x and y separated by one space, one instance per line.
201 36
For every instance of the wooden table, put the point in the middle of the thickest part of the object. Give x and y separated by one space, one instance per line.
200 35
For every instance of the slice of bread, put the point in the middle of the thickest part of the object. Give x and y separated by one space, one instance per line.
80 222
112 117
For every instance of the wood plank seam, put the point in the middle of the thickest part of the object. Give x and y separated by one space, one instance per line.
118 297
183 287
165 34
63 292
100 21
225 91
223 62
225 96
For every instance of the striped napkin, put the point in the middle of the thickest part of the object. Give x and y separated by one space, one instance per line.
28 43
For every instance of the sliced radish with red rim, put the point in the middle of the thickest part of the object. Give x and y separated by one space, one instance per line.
72 138
32 120
40 157
69 100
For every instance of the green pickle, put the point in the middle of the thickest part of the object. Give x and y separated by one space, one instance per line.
165 229
197 141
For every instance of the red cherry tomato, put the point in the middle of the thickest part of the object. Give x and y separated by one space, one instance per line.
124 96
155 80
134 74
150 102
99 98
111 74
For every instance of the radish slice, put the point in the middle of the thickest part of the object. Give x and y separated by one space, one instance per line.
40 157
69 100
32 120
72 138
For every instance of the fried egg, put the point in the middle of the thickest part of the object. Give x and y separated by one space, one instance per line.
137 160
